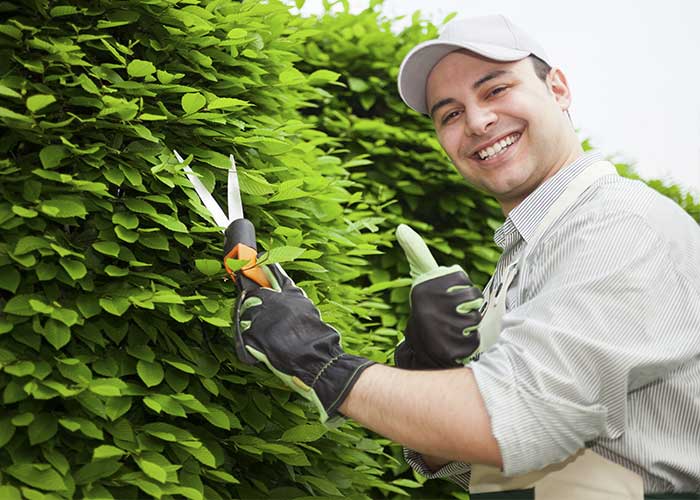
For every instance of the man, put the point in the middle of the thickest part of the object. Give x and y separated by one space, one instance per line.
587 383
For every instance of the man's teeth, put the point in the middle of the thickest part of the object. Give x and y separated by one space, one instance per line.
496 148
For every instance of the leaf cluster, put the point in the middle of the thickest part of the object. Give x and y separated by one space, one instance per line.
118 376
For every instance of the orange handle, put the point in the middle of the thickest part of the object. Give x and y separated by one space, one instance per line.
250 270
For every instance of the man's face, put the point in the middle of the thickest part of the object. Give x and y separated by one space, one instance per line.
505 130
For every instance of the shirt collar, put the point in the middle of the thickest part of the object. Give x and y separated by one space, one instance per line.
529 213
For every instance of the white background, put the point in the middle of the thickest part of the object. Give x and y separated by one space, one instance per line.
633 67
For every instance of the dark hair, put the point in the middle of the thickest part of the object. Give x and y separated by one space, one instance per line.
542 69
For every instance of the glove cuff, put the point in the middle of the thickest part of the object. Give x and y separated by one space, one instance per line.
438 272
334 382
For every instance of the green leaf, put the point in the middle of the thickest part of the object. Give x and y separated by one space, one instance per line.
322 76
63 208
126 234
88 305
66 316
282 254
7 113
202 455
126 219
179 313
7 91
9 280
223 476
151 373
227 103
322 484
19 305
218 417
107 451
292 76
216 321
24 212
304 433
43 428
52 155
139 68
115 271
39 101
20 368
116 407
10 493
191 103
23 419
40 476
208 267
357 85
152 469
85 426
115 305
57 459
7 430
29 244
140 206
75 269
110 248
57 334
97 469
156 241
109 387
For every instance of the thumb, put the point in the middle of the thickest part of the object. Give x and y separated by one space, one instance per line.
420 260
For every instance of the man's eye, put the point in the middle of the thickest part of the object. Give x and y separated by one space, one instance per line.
498 90
449 116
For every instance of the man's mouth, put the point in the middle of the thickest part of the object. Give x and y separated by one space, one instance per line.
497 148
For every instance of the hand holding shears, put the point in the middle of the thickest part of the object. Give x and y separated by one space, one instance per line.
277 324
239 240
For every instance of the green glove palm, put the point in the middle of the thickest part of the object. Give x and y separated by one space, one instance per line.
283 329
442 330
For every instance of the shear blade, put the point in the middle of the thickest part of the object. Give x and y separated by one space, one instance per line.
235 207
205 196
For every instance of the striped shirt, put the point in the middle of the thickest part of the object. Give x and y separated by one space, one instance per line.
600 345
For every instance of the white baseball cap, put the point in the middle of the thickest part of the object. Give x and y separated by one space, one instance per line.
493 37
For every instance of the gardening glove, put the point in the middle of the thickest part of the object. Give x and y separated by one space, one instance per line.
442 326
282 328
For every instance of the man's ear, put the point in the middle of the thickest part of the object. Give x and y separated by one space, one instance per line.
559 87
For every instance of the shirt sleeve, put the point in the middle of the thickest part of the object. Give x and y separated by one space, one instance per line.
457 472
597 319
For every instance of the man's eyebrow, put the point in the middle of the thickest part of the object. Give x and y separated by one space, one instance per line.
441 103
490 76
477 84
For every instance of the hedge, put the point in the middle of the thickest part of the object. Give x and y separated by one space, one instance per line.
118 378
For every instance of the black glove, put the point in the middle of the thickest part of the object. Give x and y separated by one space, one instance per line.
442 326
283 329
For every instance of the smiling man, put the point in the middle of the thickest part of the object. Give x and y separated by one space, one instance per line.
503 129
587 379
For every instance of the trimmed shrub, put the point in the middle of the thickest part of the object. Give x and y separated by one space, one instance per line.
118 374
119 379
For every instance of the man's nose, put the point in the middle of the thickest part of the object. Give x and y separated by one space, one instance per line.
478 120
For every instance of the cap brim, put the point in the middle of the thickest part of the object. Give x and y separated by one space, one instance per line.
417 65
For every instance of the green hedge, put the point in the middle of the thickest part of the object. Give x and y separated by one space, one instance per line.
118 375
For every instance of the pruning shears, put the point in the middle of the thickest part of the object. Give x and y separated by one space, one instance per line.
239 242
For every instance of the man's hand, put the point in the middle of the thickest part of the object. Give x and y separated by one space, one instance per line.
442 327
283 329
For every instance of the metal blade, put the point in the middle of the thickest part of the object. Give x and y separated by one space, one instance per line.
235 207
207 199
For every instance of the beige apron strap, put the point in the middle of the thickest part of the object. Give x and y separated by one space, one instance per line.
590 477
585 475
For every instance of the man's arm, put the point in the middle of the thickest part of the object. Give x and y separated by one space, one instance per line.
437 413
